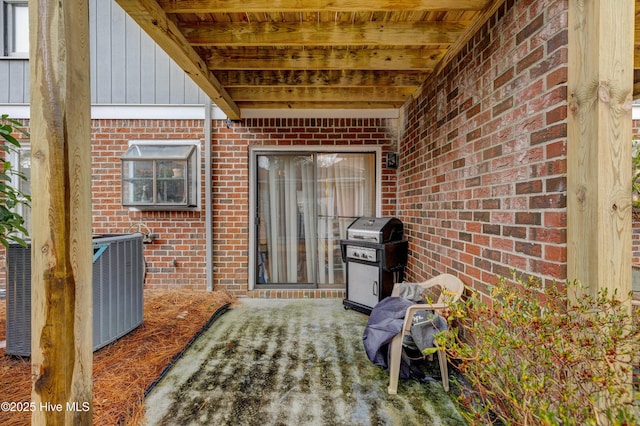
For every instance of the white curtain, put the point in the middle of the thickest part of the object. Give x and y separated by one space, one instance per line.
287 225
300 211
309 218
347 182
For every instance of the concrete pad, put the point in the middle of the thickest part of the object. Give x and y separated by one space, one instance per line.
290 362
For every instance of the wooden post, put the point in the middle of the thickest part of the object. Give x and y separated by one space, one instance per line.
600 85
61 301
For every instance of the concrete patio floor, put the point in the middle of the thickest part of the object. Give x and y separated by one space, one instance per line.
290 362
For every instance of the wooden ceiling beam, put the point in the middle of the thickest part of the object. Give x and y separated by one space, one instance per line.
321 78
326 59
636 90
371 104
322 33
154 21
274 6
319 94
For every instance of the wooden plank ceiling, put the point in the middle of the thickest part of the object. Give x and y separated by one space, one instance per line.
301 54
309 53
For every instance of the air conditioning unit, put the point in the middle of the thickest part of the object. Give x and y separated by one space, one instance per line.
118 281
18 299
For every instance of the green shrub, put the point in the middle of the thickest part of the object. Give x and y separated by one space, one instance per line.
534 357
11 223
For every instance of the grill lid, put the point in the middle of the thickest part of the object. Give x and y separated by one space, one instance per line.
376 230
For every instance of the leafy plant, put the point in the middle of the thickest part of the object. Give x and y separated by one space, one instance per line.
545 357
11 223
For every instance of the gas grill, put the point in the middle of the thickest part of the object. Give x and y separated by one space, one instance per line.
375 253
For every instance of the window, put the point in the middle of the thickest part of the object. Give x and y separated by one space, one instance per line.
161 176
16 24
21 162
301 204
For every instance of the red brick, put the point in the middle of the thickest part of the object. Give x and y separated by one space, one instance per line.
528 248
557 77
557 114
532 26
503 79
554 132
555 253
530 59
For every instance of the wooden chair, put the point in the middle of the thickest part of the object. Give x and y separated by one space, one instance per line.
451 289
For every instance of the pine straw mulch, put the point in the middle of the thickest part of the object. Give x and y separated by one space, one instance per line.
123 370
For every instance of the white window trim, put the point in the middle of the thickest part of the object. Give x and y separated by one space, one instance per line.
131 112
195 142
14 158
256 150
9 33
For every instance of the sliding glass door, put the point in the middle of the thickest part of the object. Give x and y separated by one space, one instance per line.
304 204
286 212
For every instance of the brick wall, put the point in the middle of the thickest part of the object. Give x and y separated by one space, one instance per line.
231 183
635 241
181 235
635 236
176 258
482 177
